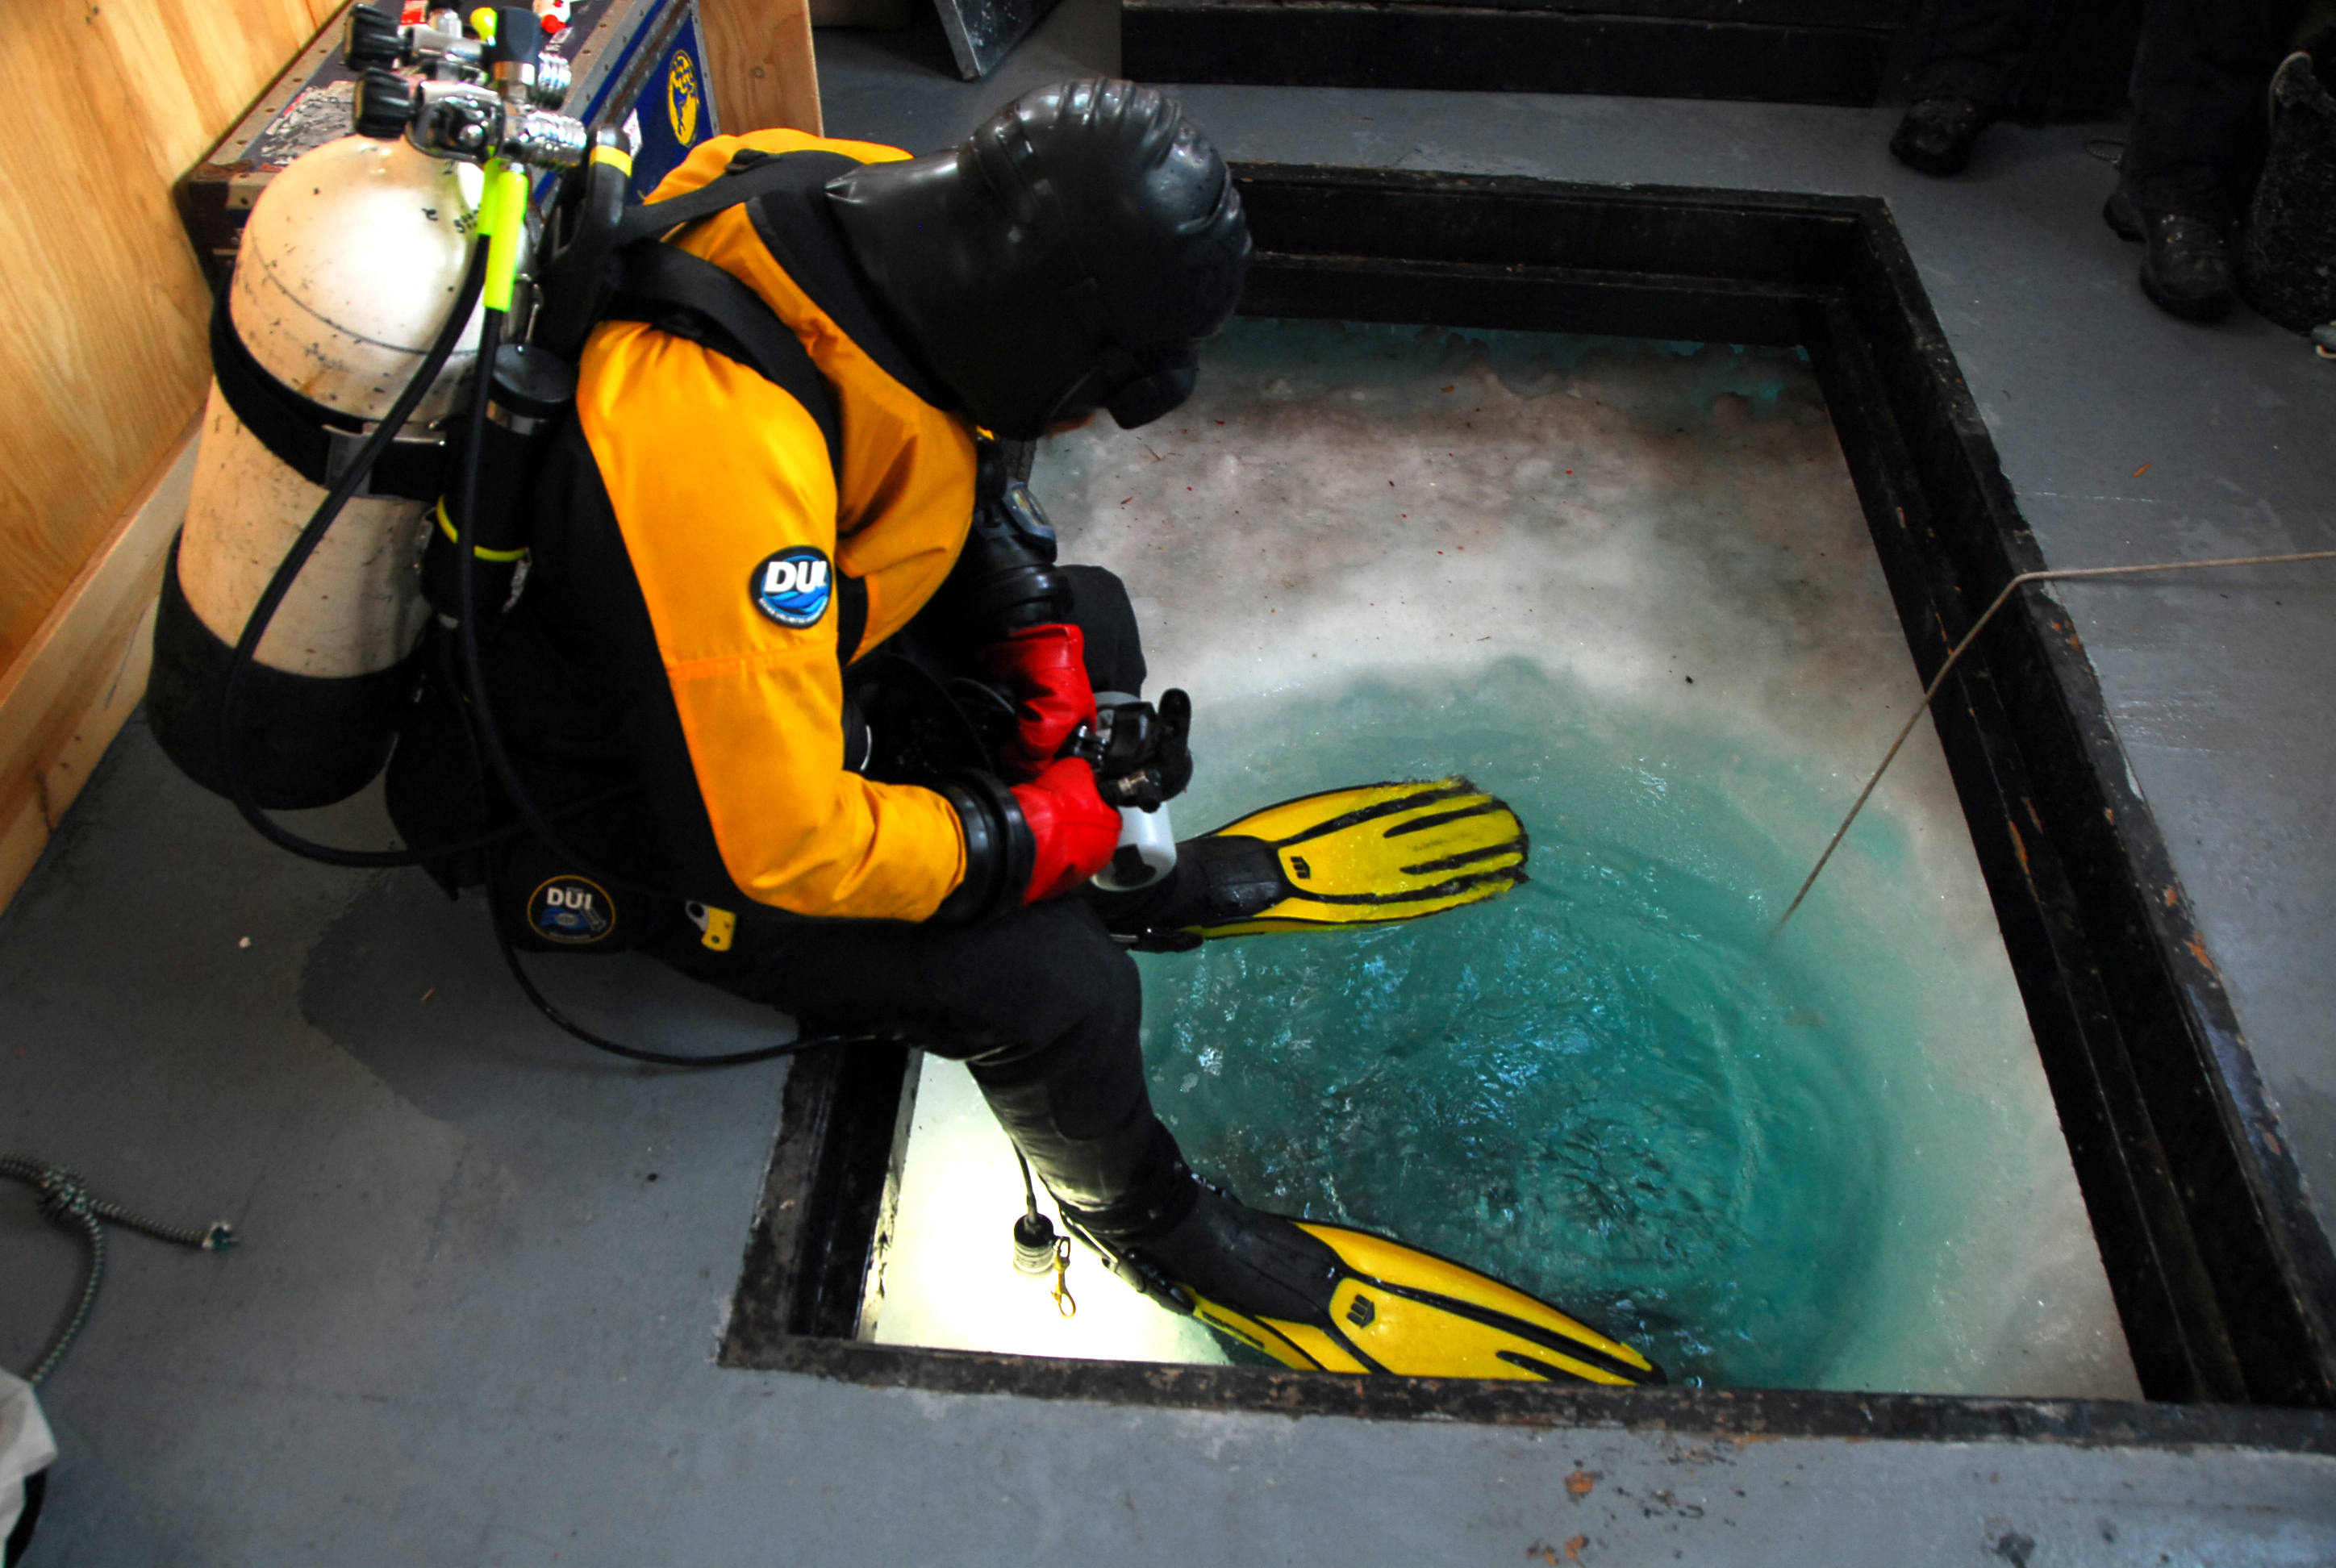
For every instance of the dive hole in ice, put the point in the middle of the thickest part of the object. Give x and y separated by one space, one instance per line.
1625 586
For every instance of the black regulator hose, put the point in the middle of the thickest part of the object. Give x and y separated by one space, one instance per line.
467 610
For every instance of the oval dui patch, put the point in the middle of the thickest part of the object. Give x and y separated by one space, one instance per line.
571 910
793 586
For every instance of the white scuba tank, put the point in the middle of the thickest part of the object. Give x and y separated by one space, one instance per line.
350 261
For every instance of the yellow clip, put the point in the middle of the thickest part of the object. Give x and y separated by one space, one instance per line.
617 156
1065 1302
482 23
502 218
720 925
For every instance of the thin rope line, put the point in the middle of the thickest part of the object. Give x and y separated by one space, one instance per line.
1956 654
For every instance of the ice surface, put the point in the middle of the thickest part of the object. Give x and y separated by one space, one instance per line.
1626 586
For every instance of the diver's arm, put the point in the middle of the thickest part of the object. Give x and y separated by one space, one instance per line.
728 525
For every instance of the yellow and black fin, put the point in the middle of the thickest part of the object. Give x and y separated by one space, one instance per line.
1392 1308
1338 1299
1364 855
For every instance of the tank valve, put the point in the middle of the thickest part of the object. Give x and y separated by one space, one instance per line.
525 72
457 120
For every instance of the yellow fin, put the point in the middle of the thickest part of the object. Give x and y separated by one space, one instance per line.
1385 851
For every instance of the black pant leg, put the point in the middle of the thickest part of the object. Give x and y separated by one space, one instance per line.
1040 1005
2200 114
1979 49
1106 623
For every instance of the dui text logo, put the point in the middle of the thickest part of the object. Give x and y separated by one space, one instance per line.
570 911
793 586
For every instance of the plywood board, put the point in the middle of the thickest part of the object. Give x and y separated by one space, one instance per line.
83 670
759 56
102 306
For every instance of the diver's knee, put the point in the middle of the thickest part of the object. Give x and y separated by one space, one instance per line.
1042 977
1105 618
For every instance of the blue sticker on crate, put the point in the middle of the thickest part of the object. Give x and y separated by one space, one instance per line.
674 111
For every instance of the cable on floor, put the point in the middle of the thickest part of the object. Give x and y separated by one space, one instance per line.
66 1199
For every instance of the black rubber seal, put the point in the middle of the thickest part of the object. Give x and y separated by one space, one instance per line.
999 851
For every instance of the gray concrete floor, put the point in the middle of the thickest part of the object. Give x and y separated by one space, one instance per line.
474 1320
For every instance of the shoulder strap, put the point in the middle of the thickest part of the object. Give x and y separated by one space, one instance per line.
751 173
689 296
798 227
692 297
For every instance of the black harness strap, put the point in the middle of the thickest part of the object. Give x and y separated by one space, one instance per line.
305 435
690 296
750 174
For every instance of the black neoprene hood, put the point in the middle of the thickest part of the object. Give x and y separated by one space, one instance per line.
1070 255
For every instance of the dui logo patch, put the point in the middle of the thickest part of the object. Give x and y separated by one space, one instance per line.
793 586
570 911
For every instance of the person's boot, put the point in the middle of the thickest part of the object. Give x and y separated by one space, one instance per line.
2187 270
1937 134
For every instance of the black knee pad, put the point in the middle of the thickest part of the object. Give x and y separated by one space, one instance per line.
1106 620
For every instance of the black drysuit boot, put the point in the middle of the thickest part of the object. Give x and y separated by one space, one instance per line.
1205 1242
1937 134
2187 270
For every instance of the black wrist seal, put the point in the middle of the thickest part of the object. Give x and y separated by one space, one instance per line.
999 852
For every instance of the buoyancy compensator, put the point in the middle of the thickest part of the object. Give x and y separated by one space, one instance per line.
349 267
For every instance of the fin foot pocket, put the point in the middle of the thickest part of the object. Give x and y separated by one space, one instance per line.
1328 1298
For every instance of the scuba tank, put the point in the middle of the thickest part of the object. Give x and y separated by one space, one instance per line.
349 263
349 269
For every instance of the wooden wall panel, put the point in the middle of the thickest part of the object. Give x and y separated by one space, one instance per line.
101 309
758 55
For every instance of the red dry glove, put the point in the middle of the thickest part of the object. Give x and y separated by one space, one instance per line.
1075 832
1047 666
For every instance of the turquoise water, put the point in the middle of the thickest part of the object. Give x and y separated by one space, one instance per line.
1608 1087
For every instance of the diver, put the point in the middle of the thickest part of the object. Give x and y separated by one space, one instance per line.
817 626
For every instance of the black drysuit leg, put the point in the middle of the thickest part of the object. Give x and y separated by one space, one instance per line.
1040 1003
1041 1006
2200 80
1978 49
2201 103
